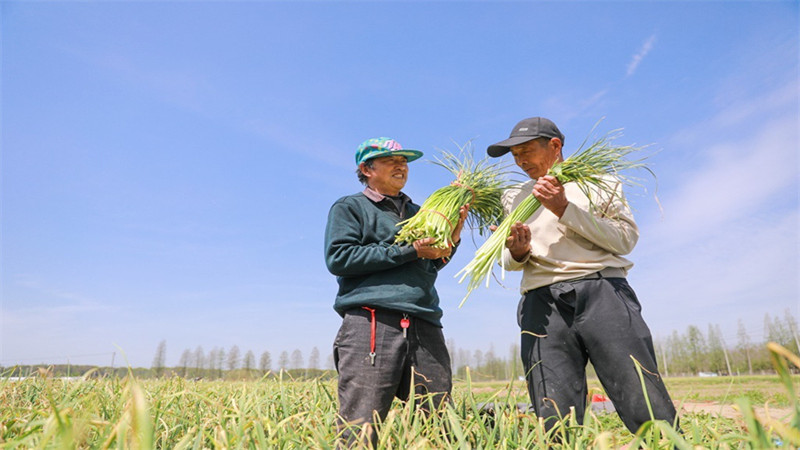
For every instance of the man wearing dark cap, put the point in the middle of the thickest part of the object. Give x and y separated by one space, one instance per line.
391 332
576 304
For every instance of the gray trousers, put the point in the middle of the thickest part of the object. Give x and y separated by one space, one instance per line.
365 388
566 324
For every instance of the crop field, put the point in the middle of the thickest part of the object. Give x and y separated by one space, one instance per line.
278 412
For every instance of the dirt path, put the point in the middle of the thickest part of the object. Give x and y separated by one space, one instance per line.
732 411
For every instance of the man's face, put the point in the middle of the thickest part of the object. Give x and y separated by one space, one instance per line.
536 157
388 174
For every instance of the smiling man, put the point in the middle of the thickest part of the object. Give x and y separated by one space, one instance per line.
391 332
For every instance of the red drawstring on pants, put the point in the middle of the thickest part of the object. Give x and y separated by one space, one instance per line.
372 335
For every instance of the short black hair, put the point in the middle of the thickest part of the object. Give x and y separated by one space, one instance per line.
361 177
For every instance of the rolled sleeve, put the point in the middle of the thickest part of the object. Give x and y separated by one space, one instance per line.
509 263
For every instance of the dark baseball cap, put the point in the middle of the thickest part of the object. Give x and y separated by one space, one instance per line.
526 130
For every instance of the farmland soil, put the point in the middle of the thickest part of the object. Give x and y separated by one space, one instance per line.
732 411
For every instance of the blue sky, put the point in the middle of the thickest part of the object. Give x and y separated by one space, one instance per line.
167 167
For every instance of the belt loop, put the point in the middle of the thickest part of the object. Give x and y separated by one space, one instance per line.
373 327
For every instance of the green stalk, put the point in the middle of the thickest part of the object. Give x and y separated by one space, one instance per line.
476 183
589 169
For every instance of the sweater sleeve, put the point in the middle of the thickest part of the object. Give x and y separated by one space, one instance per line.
347 255
607 224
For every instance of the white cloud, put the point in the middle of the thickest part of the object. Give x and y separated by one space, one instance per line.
782 97
639 56
740 178
742 272
726 247
569 106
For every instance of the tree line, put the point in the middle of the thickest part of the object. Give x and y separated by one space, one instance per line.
692 352
231 363
696 353
688 353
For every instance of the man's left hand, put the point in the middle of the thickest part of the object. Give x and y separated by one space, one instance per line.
550 192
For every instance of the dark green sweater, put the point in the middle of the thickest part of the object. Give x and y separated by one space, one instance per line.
371 269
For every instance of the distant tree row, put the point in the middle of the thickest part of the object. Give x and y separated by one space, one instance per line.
690 353
687 353
693 352
218 362
484 365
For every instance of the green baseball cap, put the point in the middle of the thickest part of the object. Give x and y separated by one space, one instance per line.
384 146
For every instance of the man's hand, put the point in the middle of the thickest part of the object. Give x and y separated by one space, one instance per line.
456 236
550 192
425 251
518 241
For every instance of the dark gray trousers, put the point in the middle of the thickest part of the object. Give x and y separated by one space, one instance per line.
365 388
566 324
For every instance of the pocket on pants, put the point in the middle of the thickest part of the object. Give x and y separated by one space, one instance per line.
564 293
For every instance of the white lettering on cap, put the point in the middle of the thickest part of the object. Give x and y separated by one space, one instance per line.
523 129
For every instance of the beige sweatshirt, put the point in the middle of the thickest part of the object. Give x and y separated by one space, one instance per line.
578 244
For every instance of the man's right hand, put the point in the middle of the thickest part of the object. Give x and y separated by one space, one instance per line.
518 241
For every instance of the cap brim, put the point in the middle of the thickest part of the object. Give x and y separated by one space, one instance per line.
411 155
503 147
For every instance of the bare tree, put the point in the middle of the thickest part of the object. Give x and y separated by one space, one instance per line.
453 351
297 359
745 345
777 331
478 358
265 363
661 348
791 324
283 360
220 361
160 358
199 361
464 358
186 358
313 359
716 352
249 360
233 358
697 347
211 361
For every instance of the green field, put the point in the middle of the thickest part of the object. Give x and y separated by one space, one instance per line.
759 389
278 412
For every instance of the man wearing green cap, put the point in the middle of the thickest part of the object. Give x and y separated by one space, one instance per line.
391 332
